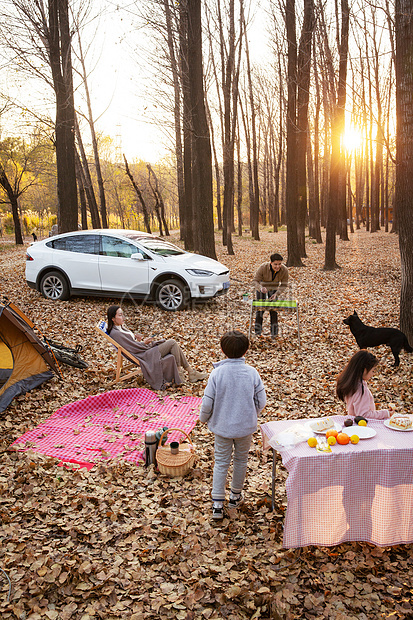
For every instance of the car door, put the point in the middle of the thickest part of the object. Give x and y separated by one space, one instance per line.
119 271
77 256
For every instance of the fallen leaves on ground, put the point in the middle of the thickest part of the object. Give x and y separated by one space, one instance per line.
124 542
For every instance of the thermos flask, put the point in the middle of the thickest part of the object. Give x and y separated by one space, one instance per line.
159 434
150 448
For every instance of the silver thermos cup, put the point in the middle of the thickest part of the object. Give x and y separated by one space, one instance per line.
150 448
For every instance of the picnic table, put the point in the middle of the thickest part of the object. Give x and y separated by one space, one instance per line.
361 492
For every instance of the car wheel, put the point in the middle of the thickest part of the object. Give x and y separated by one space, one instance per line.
172 295
54 286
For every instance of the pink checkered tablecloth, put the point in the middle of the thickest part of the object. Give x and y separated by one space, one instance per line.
361 492
109 425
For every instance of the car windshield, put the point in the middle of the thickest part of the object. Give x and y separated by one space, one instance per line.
158 246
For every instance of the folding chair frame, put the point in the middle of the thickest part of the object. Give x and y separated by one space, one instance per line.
122 364
278 304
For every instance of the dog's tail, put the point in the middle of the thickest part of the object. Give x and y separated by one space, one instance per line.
406 345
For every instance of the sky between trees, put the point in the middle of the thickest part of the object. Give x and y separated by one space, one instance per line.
122 77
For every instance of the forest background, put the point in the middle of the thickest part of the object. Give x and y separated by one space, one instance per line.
313 144
317 137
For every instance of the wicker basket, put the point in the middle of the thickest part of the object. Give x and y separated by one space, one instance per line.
175 464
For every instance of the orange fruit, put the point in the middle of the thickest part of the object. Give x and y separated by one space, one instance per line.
312 442
331 433
343 439
354 439
331 440
362 423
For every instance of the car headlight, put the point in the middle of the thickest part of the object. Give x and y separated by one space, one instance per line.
199 272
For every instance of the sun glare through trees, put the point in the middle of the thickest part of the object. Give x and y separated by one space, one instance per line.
352 139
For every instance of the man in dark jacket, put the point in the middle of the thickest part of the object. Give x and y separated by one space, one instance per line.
270 282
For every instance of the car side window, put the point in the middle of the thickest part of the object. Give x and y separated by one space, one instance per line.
81 244
112 246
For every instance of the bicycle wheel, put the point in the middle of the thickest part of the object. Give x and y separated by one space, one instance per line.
70 359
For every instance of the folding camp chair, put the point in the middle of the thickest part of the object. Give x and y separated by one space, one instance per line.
122 356
278 304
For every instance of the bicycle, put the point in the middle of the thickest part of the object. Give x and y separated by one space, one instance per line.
66 355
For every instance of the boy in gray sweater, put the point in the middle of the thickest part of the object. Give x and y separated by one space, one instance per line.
232 400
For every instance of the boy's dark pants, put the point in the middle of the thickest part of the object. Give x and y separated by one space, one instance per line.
260 314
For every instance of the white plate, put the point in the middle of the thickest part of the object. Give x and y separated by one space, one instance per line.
363 432
393 428
336 426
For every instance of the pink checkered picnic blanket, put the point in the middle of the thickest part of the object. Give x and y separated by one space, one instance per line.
361 492
110 425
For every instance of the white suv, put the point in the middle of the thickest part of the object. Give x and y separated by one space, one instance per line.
122 263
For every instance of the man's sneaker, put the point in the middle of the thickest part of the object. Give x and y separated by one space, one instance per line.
218 510
235 500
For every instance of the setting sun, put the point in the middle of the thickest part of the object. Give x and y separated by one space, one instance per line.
352 139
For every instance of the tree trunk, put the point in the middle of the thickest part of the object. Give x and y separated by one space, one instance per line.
157 207
358 166
239 186
293 249
249 166
83 170
218 190
187 222
13 198
271 178
280 153
61 66
140 197
367 182
314 229
316 167
255 213
230 97
177 117
102 196
158 199
337 160
202 156
387 171
343 215
350 196
404 158
82 192
158 195
265 193
303 95
216 168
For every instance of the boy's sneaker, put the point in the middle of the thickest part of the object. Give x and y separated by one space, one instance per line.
218 510
235 500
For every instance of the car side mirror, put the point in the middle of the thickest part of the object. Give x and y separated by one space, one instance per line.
137 256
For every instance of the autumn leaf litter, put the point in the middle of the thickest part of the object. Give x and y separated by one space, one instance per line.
124 542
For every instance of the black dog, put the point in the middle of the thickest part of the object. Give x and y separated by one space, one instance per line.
374 336
34 236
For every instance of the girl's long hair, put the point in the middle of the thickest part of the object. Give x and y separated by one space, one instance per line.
112 310
350 379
